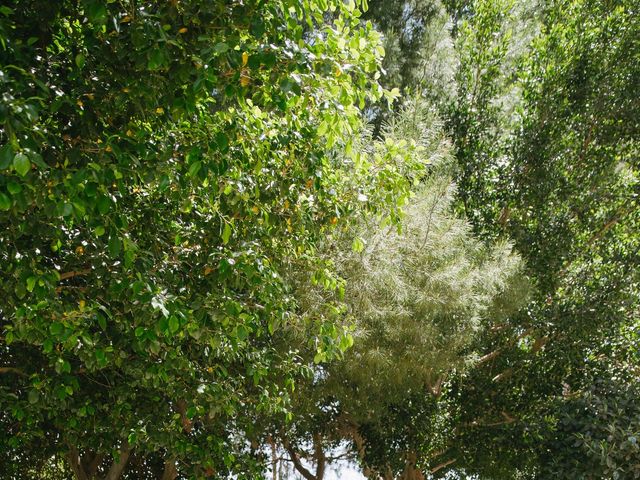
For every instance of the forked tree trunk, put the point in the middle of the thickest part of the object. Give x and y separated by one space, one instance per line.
87 468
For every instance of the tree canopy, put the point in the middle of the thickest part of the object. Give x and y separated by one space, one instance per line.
237 235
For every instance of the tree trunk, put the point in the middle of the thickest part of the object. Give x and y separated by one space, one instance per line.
170 472
118 465
73 457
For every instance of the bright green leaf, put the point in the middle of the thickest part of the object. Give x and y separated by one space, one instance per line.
21 164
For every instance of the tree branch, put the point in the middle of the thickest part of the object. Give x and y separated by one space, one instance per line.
93 466
321 460
73 456
17 371
501 376
507 420
119 464
295 458
442 465
274 458
181 407
74 273
351 429
170 472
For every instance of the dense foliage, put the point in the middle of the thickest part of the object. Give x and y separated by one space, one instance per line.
419 297
211 265
163 165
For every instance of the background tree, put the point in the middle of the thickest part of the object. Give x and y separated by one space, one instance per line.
545 140
419 295
567 173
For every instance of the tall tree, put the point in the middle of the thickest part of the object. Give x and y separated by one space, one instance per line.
565 192
419 296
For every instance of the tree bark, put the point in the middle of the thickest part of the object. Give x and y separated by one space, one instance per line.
274 459
442 465
295 458
319 455
73 456
94 464
170 471
118 465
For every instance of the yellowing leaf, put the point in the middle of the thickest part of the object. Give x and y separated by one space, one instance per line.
245 58
183 30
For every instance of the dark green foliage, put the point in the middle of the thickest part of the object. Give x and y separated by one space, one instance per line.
560 178
415 43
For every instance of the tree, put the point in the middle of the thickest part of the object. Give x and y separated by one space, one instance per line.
419 57
419 295
564 193
162 165
544 135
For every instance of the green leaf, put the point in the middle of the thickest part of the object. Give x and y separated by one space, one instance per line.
174 324
358 245
104 204
34 396
31 283
241 332
96 12
226 233
221 47
101 357
80 60
115 245
157 59
5 202
21 163
79 207
36 159
56 328
6 156
194 168
222 141
139 331
14 187
65 209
